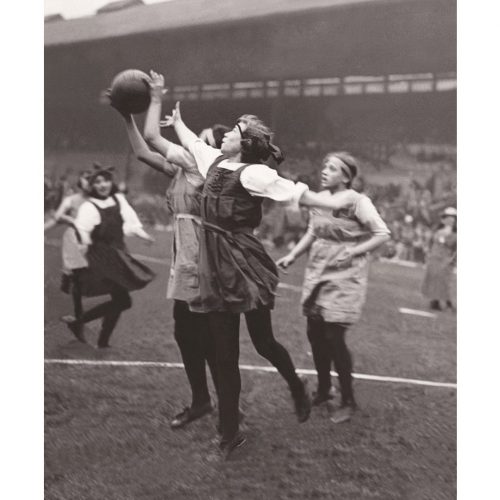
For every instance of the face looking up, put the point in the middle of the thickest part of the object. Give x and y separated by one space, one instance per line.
231 143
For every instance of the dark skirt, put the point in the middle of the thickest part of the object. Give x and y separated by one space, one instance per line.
236 273
111 268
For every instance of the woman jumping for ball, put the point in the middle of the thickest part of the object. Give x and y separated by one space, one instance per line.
191 332
102 221
336 274
236 274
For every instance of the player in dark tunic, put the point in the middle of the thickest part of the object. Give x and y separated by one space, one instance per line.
236 274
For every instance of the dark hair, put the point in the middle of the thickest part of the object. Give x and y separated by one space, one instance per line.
350 162
108 176
256 146
219 131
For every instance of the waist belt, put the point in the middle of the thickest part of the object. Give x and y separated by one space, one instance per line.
196 218
227 232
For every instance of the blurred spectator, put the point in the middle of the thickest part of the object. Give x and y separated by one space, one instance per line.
423 197
441 261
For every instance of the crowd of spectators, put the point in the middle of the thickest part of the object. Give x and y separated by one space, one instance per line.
411 208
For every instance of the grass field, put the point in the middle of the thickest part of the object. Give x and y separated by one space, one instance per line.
107 433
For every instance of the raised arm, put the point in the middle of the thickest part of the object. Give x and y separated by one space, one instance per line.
186 136
143 153
172 152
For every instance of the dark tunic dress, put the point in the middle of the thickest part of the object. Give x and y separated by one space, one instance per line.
236 273
110 264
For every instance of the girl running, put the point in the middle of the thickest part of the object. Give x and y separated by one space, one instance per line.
102 221
336 274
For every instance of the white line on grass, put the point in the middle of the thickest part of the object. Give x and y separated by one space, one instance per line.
267 369
416 312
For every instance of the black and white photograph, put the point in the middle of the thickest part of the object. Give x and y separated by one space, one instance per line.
250 249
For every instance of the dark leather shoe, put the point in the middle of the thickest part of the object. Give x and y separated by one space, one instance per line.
344 413
189 414
228 446
75 328
302 402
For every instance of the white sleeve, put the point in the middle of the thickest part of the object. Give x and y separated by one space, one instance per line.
260 180
368 215
188 167
131 222
204 155
86 220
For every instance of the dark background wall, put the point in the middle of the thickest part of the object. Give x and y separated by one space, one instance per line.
366 39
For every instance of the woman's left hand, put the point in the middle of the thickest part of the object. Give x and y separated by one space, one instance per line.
156 85
170 120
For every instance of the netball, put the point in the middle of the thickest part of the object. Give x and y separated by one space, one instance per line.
130 91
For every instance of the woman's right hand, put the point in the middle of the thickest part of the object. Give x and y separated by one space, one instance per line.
156 85
285 261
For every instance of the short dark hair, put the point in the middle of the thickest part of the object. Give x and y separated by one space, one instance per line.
255 140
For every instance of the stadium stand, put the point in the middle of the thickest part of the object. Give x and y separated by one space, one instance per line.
317 71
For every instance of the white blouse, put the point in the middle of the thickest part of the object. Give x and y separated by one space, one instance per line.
257 179
88 217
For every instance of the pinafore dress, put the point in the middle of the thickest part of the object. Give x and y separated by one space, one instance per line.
110 264
183 202
332 291
236 274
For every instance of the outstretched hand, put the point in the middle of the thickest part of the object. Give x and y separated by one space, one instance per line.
156 84
171 120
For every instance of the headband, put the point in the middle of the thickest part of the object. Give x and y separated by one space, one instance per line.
345 168
273 150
